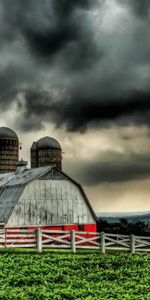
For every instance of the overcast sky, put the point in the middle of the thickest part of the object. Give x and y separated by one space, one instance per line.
79 71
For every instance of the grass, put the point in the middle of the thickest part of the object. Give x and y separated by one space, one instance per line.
63 275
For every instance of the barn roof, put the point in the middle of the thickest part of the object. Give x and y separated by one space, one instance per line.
8 198
21 178
13 184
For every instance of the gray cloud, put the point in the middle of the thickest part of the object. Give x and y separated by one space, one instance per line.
140 8
101 77
89 112
49 27
111 168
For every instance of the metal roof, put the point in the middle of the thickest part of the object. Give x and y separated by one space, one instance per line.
8 198
7 133
12 186
15 178
48 142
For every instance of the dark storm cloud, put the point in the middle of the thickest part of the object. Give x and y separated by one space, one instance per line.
47 26
65 29
140 8
56 45
89 111
113 168
12 78
41 31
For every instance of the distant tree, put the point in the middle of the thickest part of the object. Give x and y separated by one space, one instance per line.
123 226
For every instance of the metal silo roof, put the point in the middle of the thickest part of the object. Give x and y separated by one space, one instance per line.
48 142
7 133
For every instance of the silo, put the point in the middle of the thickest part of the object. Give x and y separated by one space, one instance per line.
9 150
45 152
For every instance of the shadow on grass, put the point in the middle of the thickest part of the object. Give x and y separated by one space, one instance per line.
45 251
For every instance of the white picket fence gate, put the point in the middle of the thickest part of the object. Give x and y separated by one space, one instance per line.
42 239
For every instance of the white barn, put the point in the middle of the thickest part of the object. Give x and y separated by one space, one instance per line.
44 196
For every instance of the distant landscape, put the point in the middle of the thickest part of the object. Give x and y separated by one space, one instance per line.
137 223
130 216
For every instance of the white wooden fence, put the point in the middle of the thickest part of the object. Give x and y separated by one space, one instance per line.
42 238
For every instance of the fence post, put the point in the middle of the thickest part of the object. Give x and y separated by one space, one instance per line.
132 243
73 240
39 239
5 233
103 242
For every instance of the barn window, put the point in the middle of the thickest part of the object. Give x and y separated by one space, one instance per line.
81 227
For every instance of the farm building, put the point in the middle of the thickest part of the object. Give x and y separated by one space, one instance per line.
43 195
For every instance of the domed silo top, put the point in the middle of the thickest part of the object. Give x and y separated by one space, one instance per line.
9 150
46 152
48 143
7 133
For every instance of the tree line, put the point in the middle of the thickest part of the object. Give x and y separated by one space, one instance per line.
123 226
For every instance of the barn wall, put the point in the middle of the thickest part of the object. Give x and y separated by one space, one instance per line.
45 202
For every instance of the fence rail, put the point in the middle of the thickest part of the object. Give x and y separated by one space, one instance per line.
43 238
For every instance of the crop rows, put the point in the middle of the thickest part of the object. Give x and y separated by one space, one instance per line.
85 276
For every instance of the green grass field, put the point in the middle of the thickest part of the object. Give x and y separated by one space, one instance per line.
86 276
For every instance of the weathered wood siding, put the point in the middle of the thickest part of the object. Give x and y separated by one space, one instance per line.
45 202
